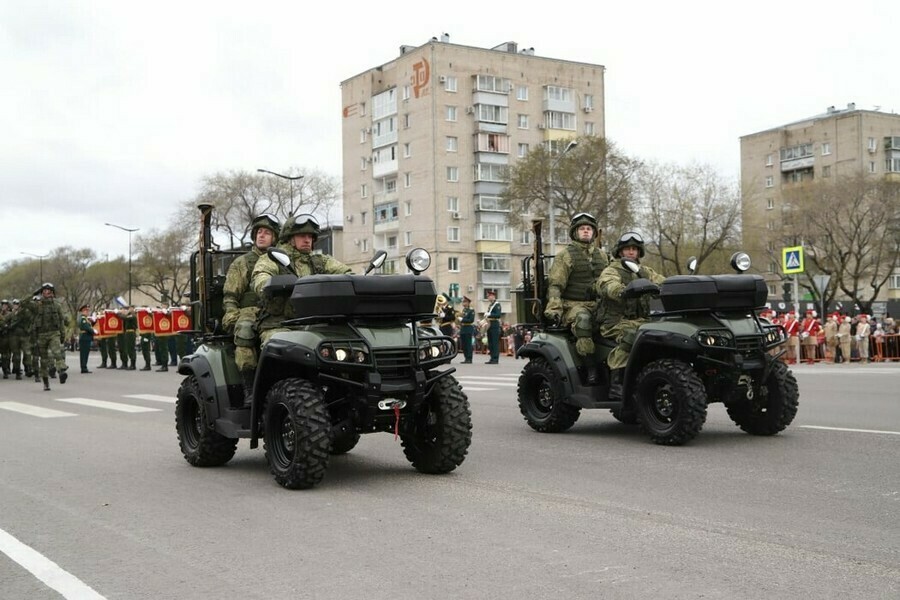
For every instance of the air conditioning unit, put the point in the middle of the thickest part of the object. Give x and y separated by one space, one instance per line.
470 288
442 79
588 109
356 242
368 159
454 216
540 126
368 130
470 110
349 218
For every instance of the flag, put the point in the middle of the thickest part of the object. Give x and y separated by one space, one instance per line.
162 323
145 320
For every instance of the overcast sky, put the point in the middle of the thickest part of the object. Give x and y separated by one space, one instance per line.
114 111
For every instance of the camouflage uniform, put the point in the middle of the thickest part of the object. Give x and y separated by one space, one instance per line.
50 330
241 308
5 327
21 333
619 318
570 280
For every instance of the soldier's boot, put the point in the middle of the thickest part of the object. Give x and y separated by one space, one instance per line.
163 369
591 376
5 373
46 384
37 378
616 383
146 367
63 375
28 372
102 365
18 375
248 377
52 371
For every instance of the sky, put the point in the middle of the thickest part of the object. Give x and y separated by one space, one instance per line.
113 112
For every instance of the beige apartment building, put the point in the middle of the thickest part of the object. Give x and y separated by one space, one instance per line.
427 138
837 143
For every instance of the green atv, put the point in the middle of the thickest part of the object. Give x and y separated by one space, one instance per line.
357 362
708 344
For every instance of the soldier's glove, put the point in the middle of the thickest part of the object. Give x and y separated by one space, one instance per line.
230 319
554 309
584 346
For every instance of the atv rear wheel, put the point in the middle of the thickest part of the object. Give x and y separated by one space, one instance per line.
201 445
437 438
671 402
773 408
543 410
297 433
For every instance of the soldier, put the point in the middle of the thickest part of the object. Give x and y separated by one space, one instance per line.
619 317
50 330
492 316
127 351
447 318
571 280
21 332
809 336
5 326
467 329
792 329
241 302
862 338
297 239
85 336
843 336
831 338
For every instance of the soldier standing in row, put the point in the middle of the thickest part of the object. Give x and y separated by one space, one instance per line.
85 337
492 316
844 341
5 323
467 329
831 328
50 330
128 352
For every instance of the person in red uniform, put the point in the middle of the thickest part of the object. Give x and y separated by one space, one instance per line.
792 329
809 335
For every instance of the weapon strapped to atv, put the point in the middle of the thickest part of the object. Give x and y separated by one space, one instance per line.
355 362
707 345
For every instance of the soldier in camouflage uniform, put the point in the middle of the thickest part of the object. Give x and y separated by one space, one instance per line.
297 239
21 332
5 327
240 301
50 329
570 283
127 351
618 317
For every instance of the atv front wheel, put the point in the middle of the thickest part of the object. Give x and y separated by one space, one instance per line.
438 436
539 403
671 402
201 445
297 433
773 408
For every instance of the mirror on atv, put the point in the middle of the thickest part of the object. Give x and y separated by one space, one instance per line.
692 265
631 265
279 256
377 261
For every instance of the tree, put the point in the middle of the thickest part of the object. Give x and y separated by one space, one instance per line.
239 196
592 177
164 265
690 211
851 231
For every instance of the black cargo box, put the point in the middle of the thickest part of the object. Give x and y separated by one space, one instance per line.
716 292
363 295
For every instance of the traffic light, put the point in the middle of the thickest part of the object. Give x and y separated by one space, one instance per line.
786 287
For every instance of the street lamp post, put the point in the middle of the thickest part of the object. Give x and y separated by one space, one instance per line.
130 231
288 177
40 258
550 195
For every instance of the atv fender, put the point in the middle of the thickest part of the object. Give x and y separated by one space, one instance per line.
198 366
651 344
554 358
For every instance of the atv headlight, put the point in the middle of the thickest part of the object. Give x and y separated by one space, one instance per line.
715 338
418 260
344 352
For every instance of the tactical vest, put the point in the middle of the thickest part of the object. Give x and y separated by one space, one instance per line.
612 311
48 317
584 273
249 298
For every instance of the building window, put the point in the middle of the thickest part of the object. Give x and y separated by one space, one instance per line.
491 203
770 160
453 264
773 267
559 120
589 128
364 246
522 122
770 181
490 172
894 282
451 113
390 186
385 213
554 92
452 204
407 150
363 136
491 113
363 217
770 203
495 262
798 151
589 101
872 168
407 180
392 242
362 109
826 148
452 144
407 208
405 93
892 165
452 173
525 238
406 121
489 83
523 151
453 234
450 84
363 163
872 145
364 191
407 238
826 171
522 92
494 231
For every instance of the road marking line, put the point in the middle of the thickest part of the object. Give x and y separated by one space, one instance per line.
35 411
476 389
483 380
153 397
108 405
848 429
46 570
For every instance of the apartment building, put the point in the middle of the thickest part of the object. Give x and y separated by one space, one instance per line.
427 138
837 143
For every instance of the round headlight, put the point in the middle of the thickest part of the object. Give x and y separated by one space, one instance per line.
418 260
740 261
341 354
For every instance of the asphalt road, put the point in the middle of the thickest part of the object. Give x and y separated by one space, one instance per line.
99 503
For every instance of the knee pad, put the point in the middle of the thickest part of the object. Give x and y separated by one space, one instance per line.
245 334
582 325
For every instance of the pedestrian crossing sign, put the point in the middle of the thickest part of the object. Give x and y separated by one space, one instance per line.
792 260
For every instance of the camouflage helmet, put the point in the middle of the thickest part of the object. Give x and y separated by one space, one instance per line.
304 223
580 219
630 238
48 286
267 220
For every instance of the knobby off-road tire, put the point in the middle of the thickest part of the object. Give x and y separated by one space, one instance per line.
438 437
297 434
626 416
201 445
671 402
538 401
773 408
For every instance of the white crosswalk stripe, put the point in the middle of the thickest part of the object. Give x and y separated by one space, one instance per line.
35 411
129 408
153 398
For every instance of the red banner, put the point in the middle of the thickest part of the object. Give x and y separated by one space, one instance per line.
162 323
110 324
180 320
145 320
